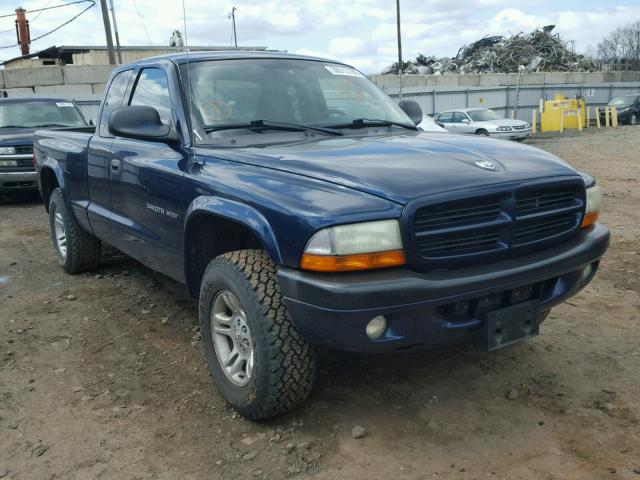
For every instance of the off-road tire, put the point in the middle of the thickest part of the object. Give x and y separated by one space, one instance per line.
83 249
284 367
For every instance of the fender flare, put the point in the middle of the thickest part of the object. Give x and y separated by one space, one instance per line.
53 165
232 210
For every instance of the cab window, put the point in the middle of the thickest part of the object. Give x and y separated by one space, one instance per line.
113 99
152 90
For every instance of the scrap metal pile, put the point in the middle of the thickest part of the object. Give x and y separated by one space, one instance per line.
538 51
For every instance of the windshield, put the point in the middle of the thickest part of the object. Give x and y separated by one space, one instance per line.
39 114
483 115
303 92
624 101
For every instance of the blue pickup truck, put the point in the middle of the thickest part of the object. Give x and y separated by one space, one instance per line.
19 118
302 207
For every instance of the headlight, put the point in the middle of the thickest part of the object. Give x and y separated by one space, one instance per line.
592 211
359 246
7 150
504 129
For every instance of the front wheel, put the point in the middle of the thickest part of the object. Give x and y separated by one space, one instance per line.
255 355
482 132
633 120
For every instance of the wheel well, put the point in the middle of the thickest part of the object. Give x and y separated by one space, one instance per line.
48 182
481 130
208 236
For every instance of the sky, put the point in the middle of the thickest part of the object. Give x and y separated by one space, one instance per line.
358 32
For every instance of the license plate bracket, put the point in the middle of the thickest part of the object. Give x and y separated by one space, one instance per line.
510 325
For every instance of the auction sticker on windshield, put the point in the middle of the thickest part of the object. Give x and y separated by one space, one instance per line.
342 70
64 104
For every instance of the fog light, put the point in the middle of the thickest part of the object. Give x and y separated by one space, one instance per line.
586 274
376 327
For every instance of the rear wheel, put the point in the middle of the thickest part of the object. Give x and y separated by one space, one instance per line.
255 355
77 250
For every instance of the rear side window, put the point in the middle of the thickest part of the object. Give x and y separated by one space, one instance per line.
152 90
113 99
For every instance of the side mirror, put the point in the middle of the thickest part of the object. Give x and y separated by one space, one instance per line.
140 122
440 124
466 120
91 122
412 109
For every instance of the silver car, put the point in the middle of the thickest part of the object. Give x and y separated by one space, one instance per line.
482 121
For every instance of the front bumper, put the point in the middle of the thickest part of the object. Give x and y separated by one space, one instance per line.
512 135
334 309
15 181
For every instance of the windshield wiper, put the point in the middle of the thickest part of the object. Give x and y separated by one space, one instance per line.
46 125
14 126
372 122
268 124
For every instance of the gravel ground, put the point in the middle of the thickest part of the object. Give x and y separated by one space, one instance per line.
101 376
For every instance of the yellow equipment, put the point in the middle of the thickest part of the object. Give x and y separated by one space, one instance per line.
562 113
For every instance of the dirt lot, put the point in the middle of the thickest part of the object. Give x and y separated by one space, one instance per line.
101 376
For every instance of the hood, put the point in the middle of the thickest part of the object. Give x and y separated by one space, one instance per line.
405 167
503 122
16 136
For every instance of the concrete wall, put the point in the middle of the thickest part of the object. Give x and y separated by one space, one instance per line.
83 83
72 81
504 79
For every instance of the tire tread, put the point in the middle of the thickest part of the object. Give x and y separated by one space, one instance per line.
292 361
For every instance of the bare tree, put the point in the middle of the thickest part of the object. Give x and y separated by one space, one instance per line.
620 50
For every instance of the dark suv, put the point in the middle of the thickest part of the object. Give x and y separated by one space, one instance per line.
628 107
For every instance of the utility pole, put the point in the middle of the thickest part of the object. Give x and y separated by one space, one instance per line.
22 31
399 49
233 21
107 31
115 30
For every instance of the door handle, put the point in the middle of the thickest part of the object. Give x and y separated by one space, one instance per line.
115 165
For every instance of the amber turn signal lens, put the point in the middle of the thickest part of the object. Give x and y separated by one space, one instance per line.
589 219
346 263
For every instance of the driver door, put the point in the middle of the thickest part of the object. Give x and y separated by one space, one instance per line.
146 184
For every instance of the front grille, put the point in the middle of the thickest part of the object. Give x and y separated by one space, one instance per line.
448 229
531 201
528 231
519 127
458 213
471 241
466 229
24 149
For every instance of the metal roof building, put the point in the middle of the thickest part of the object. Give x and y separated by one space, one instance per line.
98 55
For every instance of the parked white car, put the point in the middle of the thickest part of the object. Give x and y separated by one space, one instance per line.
483 121
428 124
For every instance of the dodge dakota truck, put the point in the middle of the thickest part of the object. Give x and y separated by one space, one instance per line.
303 208
19 118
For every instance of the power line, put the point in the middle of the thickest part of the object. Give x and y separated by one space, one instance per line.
141 18
49 8
30 20
93 3
40 12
